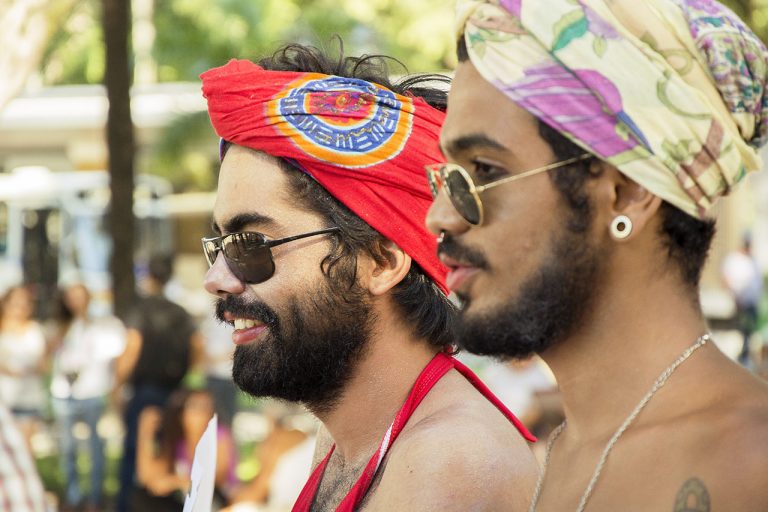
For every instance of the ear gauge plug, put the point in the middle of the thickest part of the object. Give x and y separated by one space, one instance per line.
621 227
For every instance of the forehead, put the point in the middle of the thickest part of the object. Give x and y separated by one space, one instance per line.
477 108
252 182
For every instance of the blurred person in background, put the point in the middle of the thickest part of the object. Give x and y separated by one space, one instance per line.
284 459
167 438
588 142
322 264
20 486
217 366
744 280
162 345
81 381
23 360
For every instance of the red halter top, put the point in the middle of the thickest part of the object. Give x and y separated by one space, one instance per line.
429 376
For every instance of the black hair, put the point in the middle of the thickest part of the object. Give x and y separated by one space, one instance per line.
371 68
686 239
160 268
418 298
171 431
63 313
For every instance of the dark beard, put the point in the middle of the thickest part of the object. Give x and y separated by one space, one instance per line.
309 351
551 304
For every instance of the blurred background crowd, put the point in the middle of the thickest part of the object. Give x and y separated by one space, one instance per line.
110 361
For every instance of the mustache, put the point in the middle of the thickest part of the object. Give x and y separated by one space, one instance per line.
255 310
450 248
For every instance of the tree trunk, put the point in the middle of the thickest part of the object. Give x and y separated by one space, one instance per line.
120 143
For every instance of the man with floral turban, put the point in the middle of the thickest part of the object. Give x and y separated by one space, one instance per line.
326 271
621 123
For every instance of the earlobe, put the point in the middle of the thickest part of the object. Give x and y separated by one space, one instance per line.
391 268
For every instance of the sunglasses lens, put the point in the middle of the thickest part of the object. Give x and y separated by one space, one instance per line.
459 190
248 257
209 249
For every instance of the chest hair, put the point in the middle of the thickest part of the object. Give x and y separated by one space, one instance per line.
338 479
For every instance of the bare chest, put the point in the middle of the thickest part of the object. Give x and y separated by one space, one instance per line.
631 493
641 473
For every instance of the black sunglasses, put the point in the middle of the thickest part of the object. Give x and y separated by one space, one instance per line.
248 254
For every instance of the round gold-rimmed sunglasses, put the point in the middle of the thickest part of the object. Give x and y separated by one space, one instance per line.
463 193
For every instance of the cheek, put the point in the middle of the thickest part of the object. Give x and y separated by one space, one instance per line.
521 239
296 269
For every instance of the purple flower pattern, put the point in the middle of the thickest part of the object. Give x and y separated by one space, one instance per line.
597 25
582 103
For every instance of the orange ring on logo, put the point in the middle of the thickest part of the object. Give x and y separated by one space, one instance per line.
344 121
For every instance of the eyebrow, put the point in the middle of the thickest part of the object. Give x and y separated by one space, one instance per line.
241 220
472 141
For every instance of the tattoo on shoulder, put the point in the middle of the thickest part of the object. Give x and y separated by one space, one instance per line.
693 496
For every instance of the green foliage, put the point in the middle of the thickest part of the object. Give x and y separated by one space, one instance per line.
754 13
75 53
186 154
194 35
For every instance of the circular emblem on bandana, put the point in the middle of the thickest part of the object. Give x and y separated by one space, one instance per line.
348 122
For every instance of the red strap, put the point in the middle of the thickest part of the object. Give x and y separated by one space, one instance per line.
488 394
307 496
432 373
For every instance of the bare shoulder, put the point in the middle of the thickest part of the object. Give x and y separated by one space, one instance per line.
460 454
734 448
740 416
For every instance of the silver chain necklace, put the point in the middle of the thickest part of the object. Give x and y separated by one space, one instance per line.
624 426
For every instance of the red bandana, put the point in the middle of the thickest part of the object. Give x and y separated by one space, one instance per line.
362 142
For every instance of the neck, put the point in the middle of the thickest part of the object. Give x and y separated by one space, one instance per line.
635 332
378 388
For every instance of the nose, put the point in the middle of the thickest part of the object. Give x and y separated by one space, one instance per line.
220 281
442 216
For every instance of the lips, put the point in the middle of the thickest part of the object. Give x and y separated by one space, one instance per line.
246 330
249 335
458 272
459 276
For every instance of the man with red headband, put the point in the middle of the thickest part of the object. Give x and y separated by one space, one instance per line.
323 266
589 140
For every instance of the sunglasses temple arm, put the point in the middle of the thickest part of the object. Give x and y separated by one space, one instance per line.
273 243
533 172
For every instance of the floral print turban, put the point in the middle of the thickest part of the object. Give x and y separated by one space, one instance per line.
671 92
